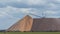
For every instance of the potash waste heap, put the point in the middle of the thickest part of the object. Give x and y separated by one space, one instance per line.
36 24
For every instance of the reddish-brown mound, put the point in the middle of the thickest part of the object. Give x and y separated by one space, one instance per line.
46 24
36 24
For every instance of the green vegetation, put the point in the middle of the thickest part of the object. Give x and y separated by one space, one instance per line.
29 32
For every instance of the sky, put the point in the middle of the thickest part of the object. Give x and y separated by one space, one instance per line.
13 10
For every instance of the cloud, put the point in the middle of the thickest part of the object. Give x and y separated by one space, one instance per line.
2 14
41 5
57 1
25 3
10 11
35 2
14 12
50 12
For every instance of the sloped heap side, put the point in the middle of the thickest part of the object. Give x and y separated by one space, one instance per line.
46 24
24 24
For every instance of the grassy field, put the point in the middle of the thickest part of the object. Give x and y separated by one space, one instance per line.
30 33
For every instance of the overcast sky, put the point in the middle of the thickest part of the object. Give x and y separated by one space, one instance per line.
13 10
